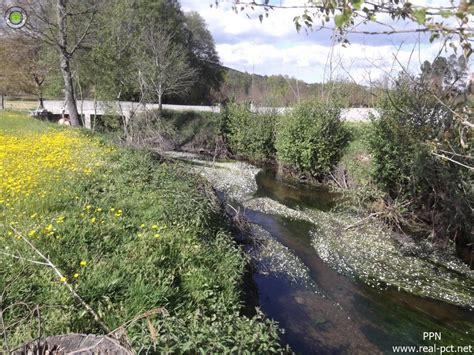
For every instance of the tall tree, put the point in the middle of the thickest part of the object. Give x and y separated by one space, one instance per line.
204 57
163 67
122 37
65 25
25 66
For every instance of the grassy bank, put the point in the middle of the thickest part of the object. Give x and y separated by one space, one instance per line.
128 235
356 159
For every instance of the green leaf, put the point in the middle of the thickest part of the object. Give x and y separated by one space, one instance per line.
357 4
420 16
434 36
445 13
297 23
342 19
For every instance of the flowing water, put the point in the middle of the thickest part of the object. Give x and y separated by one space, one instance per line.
330 313
342 315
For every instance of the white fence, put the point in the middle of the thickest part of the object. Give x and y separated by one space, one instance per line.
88 108
357 114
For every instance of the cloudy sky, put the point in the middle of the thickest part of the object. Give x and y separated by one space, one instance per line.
275 47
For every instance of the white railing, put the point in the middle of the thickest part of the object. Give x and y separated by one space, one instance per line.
87 108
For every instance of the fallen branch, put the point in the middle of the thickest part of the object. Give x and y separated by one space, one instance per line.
335 180
442 156
363 220
66 284
24 259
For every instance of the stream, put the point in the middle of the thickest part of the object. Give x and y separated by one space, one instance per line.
346 316
321 309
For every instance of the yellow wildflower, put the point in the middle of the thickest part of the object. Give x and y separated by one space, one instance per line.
83 263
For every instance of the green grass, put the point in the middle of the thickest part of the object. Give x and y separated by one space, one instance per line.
151 239
20 122
356 158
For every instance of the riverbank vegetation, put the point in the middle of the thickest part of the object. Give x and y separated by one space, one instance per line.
248 134
311 139
85 222
411 144
396 167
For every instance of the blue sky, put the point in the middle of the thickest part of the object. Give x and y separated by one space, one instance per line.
275 47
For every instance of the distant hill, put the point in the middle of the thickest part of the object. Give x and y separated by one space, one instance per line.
280 91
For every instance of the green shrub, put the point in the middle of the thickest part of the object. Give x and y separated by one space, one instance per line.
412 124
311 138
193 130
248 134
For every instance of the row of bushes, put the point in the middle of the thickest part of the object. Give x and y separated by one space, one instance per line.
433 196
310 140
436 194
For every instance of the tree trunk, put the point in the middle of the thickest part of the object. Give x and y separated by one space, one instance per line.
40 100
160 100
65 62
2 102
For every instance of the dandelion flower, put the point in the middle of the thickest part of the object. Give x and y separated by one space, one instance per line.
83 263
63 279
76 275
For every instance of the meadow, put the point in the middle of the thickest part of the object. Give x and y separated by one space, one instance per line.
101 239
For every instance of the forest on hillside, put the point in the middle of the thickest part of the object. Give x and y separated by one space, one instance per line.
113 49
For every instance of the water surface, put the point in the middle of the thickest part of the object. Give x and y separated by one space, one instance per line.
343 315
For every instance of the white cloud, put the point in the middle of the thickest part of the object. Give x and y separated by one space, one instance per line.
274 46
